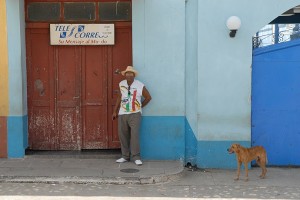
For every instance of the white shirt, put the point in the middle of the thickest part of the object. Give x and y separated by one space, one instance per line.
131 100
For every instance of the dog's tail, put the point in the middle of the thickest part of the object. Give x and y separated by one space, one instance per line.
259 159
266 155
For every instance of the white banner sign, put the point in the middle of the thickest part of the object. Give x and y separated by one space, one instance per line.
82 34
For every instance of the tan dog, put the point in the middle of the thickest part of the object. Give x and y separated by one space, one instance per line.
246 155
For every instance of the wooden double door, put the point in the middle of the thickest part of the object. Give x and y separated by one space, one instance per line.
72 90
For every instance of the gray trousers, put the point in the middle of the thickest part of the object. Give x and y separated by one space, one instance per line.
129 132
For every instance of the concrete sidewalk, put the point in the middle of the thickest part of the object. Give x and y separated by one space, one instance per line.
64 169
104 170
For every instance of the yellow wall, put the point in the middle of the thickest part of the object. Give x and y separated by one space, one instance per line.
4 104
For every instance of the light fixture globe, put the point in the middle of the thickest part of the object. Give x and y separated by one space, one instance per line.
233 24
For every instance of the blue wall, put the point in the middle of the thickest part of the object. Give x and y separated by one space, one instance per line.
159 55
162 138
195 70
191 80
213 154
190 145
224 74
17 130
276 102
17 136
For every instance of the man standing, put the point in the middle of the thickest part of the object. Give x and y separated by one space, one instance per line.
128 110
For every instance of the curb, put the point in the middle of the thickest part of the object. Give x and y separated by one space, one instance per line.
97 180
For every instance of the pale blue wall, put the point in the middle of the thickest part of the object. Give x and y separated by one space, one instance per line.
23 56
159 53
224 73
16 58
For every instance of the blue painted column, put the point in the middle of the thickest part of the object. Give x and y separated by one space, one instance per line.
17 132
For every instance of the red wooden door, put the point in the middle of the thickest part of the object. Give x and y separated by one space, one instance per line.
71 90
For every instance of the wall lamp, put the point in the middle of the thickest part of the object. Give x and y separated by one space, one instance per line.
233 24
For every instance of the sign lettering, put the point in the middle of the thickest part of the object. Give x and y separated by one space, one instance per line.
82 34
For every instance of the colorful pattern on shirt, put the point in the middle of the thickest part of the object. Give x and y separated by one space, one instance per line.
131 99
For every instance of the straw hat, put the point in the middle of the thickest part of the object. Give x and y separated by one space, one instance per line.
129 69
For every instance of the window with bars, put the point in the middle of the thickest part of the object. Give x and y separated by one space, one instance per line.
115 11
79 11
43 11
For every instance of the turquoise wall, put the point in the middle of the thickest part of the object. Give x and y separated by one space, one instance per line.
159 56
206 76
224 74
190 145
191 79
17 131
219 157
162 138
159 53
17 136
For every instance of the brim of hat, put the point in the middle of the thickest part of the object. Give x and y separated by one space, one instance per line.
135 72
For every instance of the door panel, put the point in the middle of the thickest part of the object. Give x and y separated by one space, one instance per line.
40 89
94 97
68 98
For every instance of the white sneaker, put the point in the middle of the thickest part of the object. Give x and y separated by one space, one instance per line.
121 160
138 162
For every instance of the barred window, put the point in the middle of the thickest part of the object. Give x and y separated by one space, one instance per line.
43 11
79 11
115 11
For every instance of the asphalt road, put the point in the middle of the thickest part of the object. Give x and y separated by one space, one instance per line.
281 183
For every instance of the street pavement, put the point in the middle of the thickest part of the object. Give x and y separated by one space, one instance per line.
64 178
